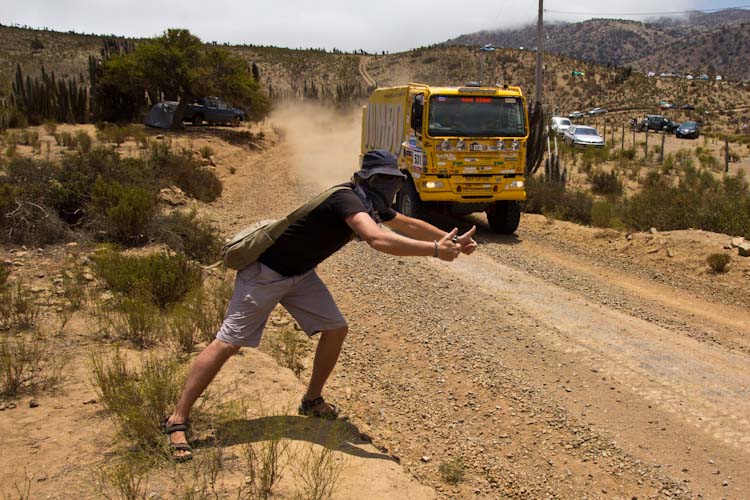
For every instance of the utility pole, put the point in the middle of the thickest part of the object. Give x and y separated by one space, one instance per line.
539 51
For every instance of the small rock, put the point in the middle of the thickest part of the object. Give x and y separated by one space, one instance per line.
90 401
744 249
426 459
10 406
33 403
653 230
153 496
629 237
725 483
72 244
43 477
652 250
670 253
737 241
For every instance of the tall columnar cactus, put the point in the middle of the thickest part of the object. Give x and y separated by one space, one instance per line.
45 97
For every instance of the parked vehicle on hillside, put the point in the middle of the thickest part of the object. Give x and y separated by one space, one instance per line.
560 124
657 123
688 130
597 111
583 136
575 114
687 106
213 110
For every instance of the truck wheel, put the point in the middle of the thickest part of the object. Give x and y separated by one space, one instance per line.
408 202
198 120
504 216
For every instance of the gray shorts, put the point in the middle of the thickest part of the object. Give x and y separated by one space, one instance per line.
258 289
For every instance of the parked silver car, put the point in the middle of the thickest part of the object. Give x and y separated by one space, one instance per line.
583 136
560 124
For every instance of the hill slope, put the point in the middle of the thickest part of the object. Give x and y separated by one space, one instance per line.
702 43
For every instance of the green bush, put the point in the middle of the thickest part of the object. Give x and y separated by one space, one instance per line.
138 399
606 214
83 139
718 262
127 210
553 199
697 201
185 171
188 234
159 278
605 183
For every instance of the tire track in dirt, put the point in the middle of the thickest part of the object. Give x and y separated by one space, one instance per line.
705 385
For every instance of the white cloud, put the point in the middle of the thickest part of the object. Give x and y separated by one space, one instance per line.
392 25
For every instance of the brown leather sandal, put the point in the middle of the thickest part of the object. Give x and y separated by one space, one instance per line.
318 408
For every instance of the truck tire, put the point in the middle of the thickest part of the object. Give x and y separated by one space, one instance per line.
408 202
504 216
236 121
198 119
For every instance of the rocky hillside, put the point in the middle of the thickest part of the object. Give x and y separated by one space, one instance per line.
713 43
347 78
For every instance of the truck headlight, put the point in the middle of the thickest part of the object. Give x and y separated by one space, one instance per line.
433 184
515 185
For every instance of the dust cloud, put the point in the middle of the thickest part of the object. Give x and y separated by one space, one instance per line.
324 142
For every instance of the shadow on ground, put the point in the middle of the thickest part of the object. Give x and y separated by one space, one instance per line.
339 435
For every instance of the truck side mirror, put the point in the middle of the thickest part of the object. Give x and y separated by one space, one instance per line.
417 108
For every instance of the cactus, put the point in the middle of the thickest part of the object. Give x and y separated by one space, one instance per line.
46 97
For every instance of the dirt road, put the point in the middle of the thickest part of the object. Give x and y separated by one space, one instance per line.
550 370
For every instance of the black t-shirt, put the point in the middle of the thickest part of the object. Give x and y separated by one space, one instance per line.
317 236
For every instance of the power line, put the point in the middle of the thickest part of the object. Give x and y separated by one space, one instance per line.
645 13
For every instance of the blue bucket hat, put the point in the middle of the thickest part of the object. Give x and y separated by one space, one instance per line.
379 161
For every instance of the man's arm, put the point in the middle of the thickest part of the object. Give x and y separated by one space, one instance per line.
421 230
396 244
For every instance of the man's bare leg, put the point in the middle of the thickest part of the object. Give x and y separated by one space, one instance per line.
202 372
326 356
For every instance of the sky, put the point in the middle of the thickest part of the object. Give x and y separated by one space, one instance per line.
375 26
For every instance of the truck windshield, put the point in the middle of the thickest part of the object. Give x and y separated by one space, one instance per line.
475 116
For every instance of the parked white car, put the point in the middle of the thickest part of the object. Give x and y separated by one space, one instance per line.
560 124
575 114
583 136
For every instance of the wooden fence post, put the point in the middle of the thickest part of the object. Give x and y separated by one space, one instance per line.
726 155
661 155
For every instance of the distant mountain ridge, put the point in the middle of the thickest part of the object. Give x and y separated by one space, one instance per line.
714 43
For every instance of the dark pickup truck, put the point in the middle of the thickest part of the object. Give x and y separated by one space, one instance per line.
213 110
657 123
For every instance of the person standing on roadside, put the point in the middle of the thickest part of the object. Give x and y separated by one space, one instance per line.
285 274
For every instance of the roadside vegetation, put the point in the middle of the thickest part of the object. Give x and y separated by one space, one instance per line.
683 192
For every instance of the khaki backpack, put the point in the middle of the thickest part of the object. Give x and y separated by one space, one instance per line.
248 245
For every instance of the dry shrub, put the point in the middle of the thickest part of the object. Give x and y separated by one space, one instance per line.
289 347
317 469
32 224
263 466
199 317
126 479
18 307
719 262
28 363
138 399
452 471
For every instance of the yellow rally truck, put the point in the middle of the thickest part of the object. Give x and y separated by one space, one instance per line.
462 148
